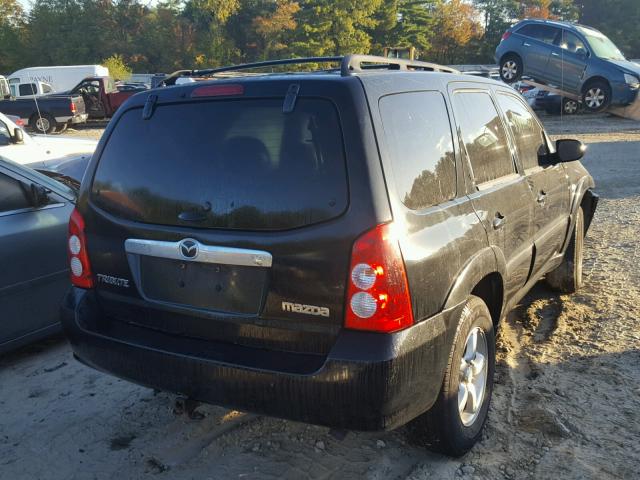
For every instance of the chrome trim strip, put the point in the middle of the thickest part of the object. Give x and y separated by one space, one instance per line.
206 253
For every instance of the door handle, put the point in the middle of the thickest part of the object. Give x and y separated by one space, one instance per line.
555 54
542 197
498 221
525 44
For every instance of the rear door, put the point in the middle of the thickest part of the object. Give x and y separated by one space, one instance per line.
537 42
549 183
568 61
231 218
502 197
34 274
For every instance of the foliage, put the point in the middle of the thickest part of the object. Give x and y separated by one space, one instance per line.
168 35
118 70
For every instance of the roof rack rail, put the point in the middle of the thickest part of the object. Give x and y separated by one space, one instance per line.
349 65
360 63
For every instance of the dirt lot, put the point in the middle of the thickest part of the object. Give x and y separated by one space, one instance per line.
566 402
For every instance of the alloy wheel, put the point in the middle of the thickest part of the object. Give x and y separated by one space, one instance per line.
42 124
509 69
595 97
473 376
570 106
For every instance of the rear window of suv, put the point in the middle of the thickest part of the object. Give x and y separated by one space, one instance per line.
230 164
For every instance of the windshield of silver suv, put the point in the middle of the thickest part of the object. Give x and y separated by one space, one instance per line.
601 45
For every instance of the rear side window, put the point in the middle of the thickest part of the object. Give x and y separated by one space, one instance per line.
483 134
544 33
27 89
527 133
417 132
240 164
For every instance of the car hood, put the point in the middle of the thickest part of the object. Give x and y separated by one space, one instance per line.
65 145
631 67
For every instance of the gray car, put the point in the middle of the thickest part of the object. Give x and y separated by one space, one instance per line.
34 214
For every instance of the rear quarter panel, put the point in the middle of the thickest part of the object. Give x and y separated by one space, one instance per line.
438 242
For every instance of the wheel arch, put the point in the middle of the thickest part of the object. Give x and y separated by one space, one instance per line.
586 198
483 276
512 53
593 79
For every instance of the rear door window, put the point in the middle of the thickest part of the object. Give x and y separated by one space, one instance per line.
544 33
483 135
418 136
240 164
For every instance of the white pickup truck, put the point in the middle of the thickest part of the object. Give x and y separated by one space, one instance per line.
38 150
37 88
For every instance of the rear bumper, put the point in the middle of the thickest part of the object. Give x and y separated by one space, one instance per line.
73 119
368 381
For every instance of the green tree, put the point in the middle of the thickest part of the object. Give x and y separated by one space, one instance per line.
618 19
11 27
333 27
118 70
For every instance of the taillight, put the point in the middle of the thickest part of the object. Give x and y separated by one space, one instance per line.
506 35
378 295
73 107
77 249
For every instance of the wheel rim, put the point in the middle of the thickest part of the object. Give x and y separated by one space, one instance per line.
509 69
571 107
473 377
595 97
42 124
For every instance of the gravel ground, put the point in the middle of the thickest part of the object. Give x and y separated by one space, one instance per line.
566 402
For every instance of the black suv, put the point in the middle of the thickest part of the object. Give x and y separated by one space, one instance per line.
334 247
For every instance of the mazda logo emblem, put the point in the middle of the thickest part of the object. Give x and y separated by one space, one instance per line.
188 248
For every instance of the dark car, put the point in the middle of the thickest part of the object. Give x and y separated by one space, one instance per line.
34 217
320 246
554 104
576 58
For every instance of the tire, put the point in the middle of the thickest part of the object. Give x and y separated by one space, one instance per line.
567 277
510 68
62 127
596 96
42 124
569 106
444 428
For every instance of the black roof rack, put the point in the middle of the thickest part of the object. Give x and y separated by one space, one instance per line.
349 65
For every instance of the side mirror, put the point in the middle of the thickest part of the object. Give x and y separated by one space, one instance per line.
18 136
568 150
39 195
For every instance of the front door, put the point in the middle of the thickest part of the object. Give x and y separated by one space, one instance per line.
549 184
501 197
567 62
34 274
